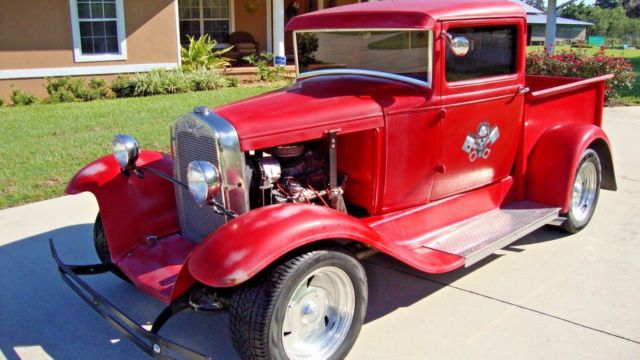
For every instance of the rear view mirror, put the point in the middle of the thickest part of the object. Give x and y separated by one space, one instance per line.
459 45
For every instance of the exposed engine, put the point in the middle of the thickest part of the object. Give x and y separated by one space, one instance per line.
292 173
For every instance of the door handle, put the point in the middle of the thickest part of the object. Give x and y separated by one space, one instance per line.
523 89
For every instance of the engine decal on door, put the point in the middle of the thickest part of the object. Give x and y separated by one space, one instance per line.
477 145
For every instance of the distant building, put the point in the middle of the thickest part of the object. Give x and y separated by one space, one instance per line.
568 30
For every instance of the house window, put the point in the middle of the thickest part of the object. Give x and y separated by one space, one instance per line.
199 17
98 30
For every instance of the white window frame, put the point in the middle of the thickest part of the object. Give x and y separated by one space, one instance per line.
78 56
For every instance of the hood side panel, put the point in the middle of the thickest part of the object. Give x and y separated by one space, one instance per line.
307 109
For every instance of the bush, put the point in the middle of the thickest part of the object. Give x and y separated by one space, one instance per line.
158 82
1 101
579 64
68 90
307 46
232 81
123 86
98 89
266 72
200 54
207 80
60 96
19 97
161 81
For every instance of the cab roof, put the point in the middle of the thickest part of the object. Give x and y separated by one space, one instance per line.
403 14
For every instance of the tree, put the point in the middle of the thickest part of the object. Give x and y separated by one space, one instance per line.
576 11
610 22
632 8
538 4
608 4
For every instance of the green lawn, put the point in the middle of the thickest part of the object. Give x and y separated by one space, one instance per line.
42 146
629 97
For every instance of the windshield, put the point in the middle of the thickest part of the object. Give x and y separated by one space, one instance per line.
400 52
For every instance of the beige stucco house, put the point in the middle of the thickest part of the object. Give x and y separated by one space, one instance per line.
103 38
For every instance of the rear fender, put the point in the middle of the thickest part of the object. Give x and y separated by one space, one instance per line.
132 208
553 161
248 244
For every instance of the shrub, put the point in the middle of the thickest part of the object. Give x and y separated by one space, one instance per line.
200 54
98 88
123 86
579 64
60 96
67 90
1 101
266 71
307 46
232 81
54 85
207 80
19 97
161 81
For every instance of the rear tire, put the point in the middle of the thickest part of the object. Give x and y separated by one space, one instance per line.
311 306
584 193
102 249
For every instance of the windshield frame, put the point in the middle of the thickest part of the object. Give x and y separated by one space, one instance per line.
424 83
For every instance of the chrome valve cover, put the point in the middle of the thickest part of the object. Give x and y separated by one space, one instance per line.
204 135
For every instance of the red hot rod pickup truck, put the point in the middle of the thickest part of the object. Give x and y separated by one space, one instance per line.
411 130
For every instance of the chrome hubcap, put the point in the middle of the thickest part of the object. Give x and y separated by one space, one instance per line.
584 191
319 314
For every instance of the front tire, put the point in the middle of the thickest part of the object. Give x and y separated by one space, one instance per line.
585 192
102 249
309 307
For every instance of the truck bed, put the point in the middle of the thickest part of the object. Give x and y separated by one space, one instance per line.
556 100
567 96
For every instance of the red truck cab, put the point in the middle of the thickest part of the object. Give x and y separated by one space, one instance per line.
411 130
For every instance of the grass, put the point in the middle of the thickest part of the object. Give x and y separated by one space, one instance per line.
628 97
42 146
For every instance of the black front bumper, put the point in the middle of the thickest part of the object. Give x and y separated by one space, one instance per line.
149 341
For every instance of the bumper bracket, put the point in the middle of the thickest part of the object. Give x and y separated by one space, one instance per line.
149 341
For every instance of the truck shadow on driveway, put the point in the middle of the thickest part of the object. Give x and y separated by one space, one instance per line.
394 285
41 317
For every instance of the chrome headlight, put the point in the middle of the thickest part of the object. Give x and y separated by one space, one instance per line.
125 150
204 181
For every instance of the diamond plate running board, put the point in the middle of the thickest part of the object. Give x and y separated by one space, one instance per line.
483 235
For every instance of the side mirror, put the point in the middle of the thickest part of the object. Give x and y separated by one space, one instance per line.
459 45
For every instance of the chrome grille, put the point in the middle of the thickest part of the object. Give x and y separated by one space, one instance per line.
192 139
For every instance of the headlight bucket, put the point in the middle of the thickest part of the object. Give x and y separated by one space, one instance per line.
126 151
204 181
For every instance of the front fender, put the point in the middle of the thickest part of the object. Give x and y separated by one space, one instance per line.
248 244
554 159
131 207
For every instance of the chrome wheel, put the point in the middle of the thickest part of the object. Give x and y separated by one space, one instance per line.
319 314
584 193
310 306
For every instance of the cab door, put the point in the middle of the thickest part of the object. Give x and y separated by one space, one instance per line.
482 104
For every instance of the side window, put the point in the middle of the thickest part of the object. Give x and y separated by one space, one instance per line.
492 52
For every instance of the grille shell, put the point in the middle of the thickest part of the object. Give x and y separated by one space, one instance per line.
198 137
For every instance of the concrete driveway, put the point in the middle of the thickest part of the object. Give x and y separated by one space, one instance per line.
548 296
